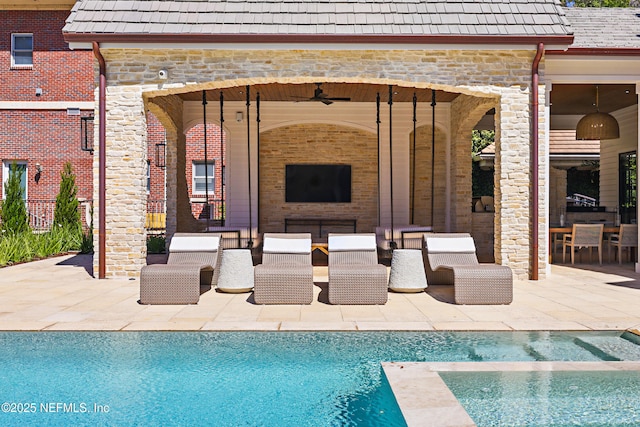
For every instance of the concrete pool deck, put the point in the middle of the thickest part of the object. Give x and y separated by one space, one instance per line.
61 294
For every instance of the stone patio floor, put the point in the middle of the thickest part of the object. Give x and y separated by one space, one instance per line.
61 294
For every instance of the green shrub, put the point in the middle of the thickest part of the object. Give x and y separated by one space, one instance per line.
14 209
66 213
156 244
27 246
86 247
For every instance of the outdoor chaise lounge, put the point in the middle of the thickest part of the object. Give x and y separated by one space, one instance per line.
192 262
355 277
451 260
286 273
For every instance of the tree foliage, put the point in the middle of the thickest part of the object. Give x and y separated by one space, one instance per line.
66 213
481 139
14 210
481 180
599 3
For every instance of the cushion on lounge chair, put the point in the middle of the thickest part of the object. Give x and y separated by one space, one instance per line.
352 243
202 243
450 244
275 245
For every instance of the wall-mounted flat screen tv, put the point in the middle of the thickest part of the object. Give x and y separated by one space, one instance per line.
307 183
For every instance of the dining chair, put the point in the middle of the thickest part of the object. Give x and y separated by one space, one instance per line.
626 238
583 236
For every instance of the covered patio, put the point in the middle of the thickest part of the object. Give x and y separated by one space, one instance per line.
394 181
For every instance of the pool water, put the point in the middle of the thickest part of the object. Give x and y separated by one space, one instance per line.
549 399
246 378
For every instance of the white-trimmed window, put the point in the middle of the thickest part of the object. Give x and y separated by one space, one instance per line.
198 181
7 165
22 50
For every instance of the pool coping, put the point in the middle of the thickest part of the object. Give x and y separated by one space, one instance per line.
425 400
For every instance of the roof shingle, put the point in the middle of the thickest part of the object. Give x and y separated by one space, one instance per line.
246 17
605 27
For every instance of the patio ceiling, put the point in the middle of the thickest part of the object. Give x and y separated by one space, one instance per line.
566 99
357 92
579 99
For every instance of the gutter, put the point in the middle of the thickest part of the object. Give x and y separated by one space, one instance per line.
535 235
102 162
594 51
347 39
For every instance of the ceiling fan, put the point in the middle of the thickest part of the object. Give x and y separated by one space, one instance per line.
319 95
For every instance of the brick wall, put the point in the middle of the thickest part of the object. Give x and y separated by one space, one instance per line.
195 152
62 74
155 135
47 137
318 144
50 138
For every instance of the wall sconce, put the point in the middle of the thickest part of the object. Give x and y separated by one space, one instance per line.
239 116
86 134
38 91
38 174
161 150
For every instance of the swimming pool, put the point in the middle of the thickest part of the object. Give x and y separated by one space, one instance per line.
246 378
549 399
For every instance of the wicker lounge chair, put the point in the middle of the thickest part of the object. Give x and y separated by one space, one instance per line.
453 260
355 277
192 262
286 273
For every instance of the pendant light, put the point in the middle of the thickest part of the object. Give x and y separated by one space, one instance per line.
597 125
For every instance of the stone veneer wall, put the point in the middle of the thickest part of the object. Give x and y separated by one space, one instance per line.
505 77
318 144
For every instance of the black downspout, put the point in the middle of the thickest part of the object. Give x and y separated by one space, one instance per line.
392 244
413 164
248 103
206 172
223 213
378 138
102 161
534 159
258 158
433 156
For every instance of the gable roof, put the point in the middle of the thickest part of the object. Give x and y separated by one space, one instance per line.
236 20
606 27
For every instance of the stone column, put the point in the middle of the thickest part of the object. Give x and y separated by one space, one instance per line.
126 197
513 182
